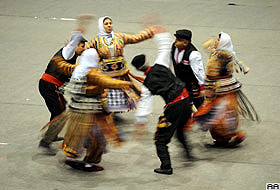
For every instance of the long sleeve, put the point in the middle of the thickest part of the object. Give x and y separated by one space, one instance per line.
135 38
62 66
96 77
69 50
164 46
197 67
144 107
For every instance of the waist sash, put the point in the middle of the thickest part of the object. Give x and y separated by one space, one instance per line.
114 67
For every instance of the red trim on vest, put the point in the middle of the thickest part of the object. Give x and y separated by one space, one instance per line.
146 72
184 94
51 79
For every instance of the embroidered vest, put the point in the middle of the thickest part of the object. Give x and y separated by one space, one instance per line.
112 65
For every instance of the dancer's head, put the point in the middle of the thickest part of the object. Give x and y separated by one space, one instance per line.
183 38
105 24
223 42
140 63
81 47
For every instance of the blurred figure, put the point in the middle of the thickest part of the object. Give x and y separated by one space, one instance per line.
160 81
53 80
224 102
88 126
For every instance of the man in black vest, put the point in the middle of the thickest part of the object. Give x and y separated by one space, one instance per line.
160 81
53 79
188 65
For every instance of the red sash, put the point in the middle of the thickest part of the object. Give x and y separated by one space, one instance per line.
51 79
184 94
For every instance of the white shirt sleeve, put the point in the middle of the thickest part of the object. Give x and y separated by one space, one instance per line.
144 107
88 60
164 49
197 66
69 50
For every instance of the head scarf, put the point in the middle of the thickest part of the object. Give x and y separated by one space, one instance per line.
225 43
102 33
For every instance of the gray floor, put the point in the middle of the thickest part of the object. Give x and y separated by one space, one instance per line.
32 31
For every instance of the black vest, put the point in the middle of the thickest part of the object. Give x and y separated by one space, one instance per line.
184 71
51 69
161 81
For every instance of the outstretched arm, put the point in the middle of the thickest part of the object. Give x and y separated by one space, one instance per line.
163 40
135 38
96 77
69 50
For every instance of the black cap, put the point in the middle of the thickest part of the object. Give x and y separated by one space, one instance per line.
138 61
184 34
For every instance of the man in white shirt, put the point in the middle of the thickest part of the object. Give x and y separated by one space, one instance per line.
188 65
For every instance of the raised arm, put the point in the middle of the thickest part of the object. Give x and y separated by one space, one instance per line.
69 50
163 40
135 38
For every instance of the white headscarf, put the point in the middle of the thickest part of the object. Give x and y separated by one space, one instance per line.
102 33
225 43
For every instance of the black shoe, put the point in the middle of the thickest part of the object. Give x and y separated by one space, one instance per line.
75 164
44 144
58 139
80 165
164 171
47 149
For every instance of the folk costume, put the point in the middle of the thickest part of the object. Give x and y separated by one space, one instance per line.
53 80
160 81
188 66
88 126
225 102
112 63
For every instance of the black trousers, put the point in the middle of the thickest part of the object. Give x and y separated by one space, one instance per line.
54 100
56 105
176 115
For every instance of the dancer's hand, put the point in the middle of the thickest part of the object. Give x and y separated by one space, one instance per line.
127 86
156 29
208 43
202 93
83 21
151 19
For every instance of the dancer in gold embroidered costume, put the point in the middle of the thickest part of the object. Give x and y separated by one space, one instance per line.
110 46
87 125
224 103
